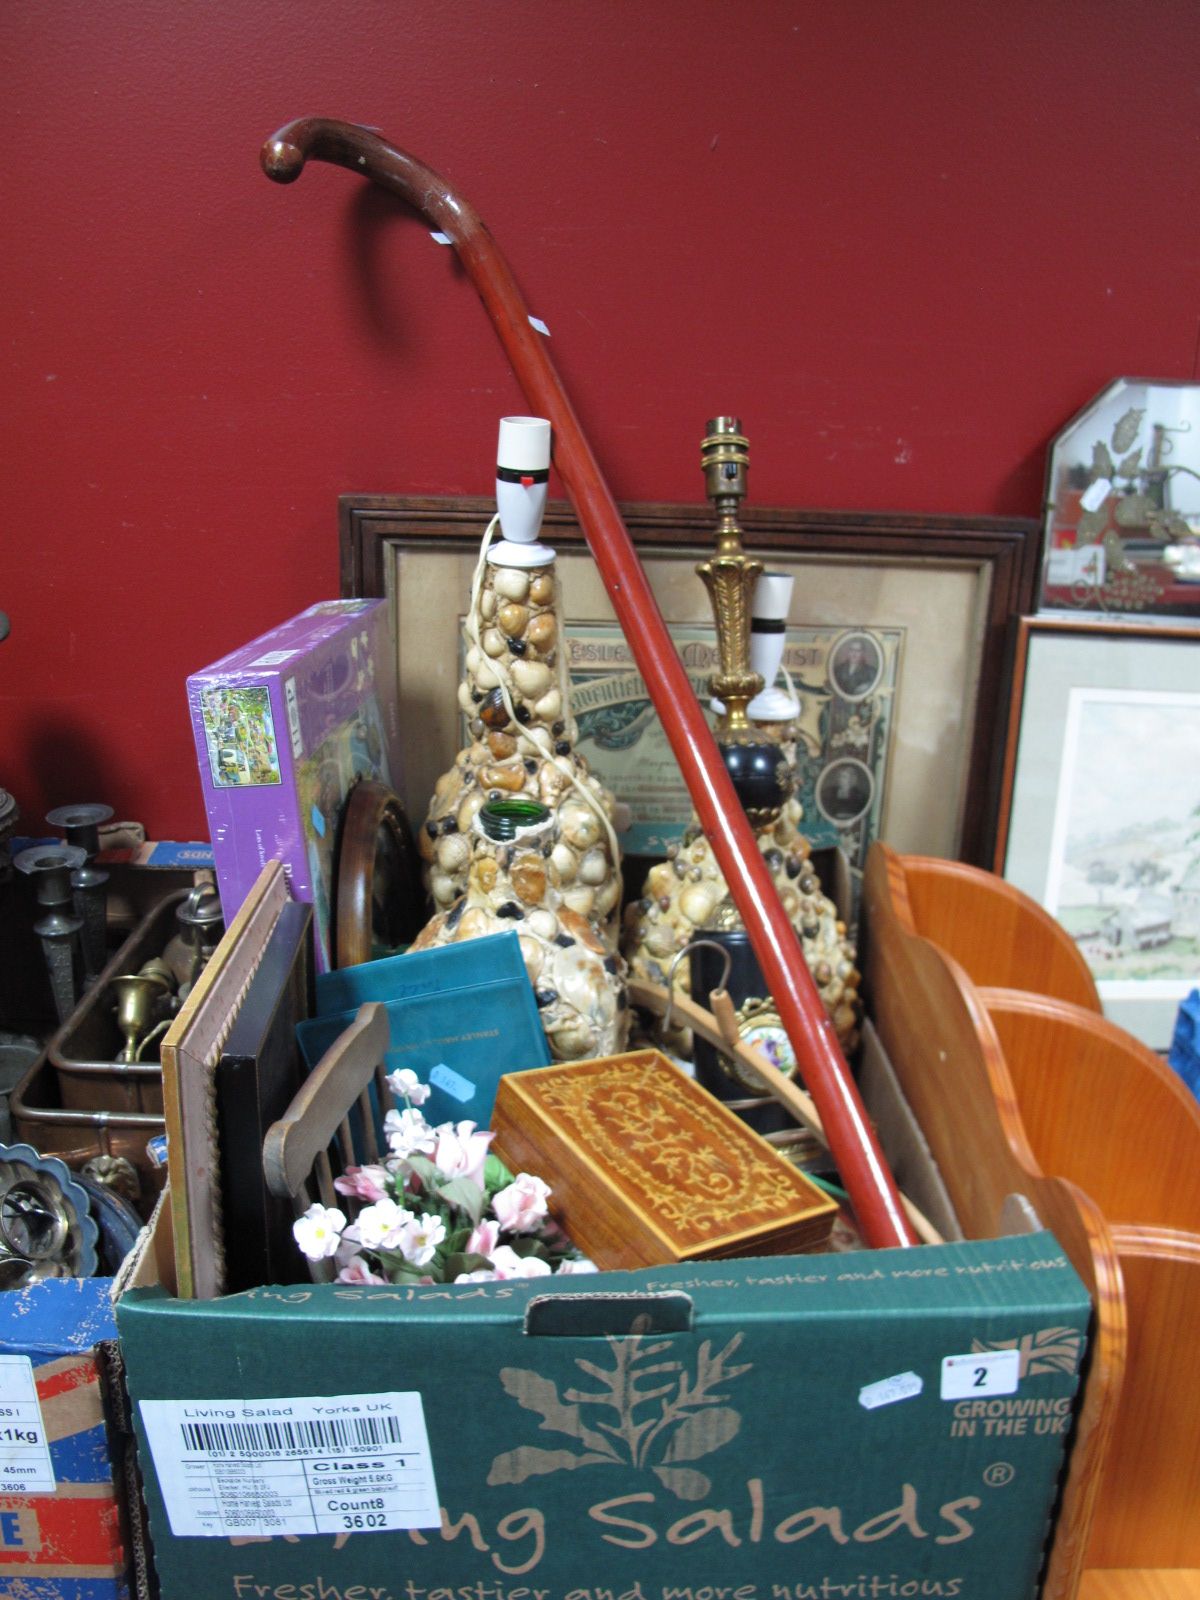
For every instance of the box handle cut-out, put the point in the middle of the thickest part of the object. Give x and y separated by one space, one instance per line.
595 1316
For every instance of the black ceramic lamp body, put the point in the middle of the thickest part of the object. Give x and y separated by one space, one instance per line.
761 775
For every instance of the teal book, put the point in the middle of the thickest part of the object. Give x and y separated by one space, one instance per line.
420 971
460 1017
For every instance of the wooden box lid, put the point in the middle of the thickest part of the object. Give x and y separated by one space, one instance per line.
647 1168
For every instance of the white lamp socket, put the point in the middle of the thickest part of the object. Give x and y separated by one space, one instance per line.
768 637
522 474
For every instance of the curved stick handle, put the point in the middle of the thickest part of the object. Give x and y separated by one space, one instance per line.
851 1137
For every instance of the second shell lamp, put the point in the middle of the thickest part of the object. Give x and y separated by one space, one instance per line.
686 897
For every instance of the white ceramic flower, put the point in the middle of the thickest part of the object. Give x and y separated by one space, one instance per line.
318 1232
382 1226
407 1132
405 1085
420 1238
577 1264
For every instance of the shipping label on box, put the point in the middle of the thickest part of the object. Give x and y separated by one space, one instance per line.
870 1426
283 727
60 1511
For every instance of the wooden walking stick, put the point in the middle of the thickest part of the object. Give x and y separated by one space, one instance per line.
851 1138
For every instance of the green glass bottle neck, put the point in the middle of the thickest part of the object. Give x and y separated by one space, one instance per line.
502 820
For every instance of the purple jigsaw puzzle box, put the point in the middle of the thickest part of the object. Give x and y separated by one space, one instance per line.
284 726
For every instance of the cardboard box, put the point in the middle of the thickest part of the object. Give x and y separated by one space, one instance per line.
60 1537
778 1429
283 727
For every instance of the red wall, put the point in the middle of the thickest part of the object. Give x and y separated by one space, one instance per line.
903 239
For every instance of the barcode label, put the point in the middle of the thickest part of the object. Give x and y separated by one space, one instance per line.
25 1465
313 1464
314 1436
273 658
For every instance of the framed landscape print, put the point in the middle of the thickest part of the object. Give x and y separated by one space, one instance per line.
1102 817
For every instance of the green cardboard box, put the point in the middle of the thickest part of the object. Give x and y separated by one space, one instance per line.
866 1426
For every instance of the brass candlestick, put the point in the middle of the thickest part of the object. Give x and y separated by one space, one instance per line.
687 895
730 576
138 995
756 762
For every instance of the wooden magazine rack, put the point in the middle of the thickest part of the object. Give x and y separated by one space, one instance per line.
1008 1086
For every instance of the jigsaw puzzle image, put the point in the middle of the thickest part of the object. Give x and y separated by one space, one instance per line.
239 730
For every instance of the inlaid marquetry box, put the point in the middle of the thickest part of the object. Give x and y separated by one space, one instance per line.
646 1167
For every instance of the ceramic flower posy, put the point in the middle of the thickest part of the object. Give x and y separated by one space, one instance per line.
440 1209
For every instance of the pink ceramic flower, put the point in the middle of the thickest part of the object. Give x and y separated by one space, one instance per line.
363 1183
522 1205
508 1264
357 1270
485 1238
461 1151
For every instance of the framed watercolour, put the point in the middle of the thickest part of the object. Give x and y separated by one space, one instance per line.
1101 812
895 646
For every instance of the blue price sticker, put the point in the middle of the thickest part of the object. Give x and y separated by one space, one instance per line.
452 1083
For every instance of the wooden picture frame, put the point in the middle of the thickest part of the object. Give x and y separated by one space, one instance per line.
259 1071
1100 803
191 1055
952 584
378 899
